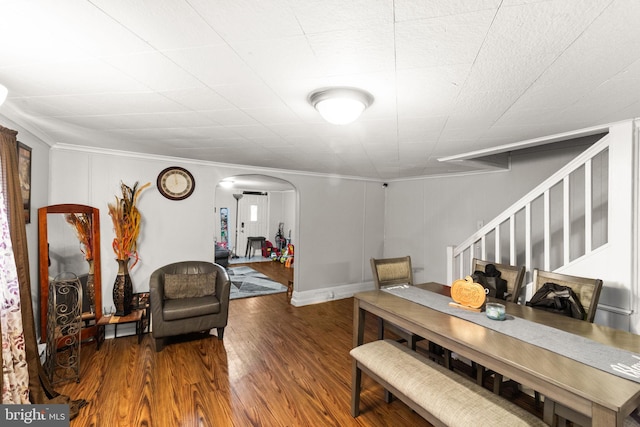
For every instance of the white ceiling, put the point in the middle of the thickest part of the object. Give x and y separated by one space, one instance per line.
227 80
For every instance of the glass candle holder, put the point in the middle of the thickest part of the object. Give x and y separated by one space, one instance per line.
495 311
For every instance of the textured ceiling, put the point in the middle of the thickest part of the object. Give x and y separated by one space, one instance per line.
227 81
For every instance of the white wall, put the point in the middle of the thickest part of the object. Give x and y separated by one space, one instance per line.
289 215
341 227
171 230
282 208
339 220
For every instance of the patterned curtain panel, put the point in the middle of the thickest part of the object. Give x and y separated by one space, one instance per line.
15 372
40 389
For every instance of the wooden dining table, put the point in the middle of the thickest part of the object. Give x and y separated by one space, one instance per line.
607 399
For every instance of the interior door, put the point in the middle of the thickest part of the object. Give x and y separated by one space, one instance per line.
253 217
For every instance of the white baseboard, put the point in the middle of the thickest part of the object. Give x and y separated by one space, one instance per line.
302 298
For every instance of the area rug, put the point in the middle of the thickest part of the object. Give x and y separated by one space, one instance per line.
247 282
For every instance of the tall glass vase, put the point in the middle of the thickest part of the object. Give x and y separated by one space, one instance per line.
122 289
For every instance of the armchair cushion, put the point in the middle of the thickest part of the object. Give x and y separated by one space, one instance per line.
178 286
185 308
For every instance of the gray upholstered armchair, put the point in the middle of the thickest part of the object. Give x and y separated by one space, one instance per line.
186 297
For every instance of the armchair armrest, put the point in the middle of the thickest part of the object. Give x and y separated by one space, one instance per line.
223 284
156 297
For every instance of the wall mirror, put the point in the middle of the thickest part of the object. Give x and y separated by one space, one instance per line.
69 242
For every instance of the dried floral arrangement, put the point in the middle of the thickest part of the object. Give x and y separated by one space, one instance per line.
126 222
81 223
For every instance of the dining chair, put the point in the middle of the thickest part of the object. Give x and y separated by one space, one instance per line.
388 272
514 277
588 291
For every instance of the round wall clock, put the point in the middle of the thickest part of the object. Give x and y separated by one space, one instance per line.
176 183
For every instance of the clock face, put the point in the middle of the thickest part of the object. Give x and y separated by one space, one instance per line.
176 183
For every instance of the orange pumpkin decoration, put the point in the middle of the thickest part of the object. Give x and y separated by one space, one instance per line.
467 293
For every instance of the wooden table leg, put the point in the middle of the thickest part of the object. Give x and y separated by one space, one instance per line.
139 330
100 337
358 323
549 412
289 290
601 416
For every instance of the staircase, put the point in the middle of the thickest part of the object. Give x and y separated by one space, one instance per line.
572 223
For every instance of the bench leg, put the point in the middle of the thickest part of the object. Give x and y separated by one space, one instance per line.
356 387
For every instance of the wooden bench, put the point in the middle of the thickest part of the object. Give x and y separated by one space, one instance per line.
442 397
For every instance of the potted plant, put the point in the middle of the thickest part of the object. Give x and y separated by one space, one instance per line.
126 224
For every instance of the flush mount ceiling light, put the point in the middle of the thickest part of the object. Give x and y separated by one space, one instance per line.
340 105
3 94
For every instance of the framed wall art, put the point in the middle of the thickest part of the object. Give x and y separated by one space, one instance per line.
24 171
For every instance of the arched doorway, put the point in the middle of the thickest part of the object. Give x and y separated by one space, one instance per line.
255 206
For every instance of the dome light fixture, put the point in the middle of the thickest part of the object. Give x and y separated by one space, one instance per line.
3 94
340 105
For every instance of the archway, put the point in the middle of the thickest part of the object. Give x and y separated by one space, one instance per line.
255 205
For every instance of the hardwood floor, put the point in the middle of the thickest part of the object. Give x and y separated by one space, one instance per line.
275 270
278 365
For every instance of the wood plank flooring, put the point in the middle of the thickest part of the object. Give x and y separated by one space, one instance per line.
278 365
274 270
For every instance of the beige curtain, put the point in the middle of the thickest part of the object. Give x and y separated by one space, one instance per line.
40 389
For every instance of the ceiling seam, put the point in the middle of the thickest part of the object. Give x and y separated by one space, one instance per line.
162 53
475 59
555 60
